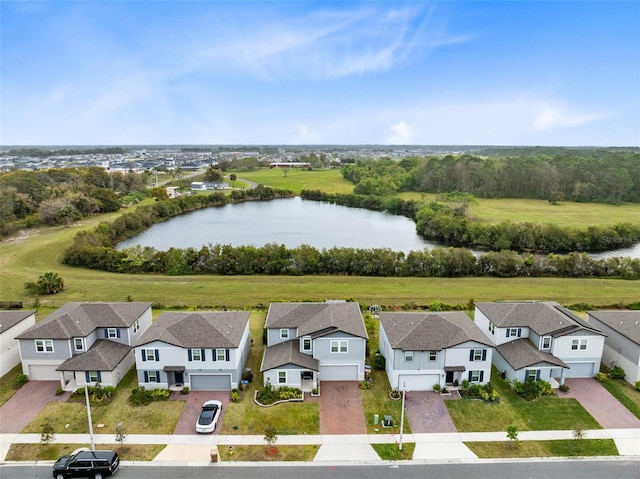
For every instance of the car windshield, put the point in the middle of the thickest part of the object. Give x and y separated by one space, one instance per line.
206 416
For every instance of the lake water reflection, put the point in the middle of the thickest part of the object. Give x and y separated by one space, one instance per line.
290 221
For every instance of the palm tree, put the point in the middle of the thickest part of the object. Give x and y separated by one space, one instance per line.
233 179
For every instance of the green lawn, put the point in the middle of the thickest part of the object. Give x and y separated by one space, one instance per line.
330 181
51 452
543 414
8 384
559 448
258 453
628 396
70 417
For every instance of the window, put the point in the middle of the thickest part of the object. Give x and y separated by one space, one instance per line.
282 377
546 342
339 346
78 344
136 326
148 355
532 375
306 344
514 332
284 334
475 376
151 376
477 355
578 344
433 355
408 356
221 354
195 355
93 376
44 345
492 328
112 333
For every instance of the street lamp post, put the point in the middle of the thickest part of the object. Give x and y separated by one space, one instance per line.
404 392
86 396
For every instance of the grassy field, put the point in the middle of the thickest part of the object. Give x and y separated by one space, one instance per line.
51 452
543 414
330 181
625 393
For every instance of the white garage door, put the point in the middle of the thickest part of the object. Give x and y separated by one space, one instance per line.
210 382
339 373
580 370
417 382
43 373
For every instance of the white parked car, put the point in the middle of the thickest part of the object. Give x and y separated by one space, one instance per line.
208 416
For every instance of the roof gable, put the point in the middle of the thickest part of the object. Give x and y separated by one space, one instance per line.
626 323
311 318
81 319
430 331
212 329
9 319
522 353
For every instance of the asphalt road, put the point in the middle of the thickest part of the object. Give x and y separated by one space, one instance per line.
553 469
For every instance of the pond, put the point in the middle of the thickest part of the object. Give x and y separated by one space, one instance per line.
291 222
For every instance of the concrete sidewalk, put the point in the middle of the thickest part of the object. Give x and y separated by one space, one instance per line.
339 448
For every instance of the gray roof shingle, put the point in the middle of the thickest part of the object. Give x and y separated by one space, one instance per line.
9 319
544 318
104 355
285 353
522 353
310 318
626 323
430 331
209 329
81 319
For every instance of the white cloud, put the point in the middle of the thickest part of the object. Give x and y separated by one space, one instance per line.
550 116
402 134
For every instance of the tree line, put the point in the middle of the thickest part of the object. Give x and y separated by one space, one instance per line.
445 221
603 176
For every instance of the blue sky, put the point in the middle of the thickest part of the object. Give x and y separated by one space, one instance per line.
341 72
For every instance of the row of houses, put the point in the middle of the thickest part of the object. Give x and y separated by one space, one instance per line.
307 343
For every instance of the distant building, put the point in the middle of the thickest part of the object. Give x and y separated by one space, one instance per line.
289 164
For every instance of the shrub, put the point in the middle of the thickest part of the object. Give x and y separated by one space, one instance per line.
160 394
365 385
617 373
465 384
140 397
59 391
235 395
601 377
564 388
185 390
437 387
379 362
638 385
21 379
269 395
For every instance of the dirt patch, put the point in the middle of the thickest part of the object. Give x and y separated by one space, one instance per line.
341 408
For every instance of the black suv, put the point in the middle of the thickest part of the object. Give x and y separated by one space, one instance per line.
93 464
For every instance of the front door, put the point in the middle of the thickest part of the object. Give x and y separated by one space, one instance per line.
449 378
179 377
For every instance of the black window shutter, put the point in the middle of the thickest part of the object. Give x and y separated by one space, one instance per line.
157 354
226 355
481 375
484 354
508 331
519 332
146 377
99 376
202 354
117 333
157 376
471 355
189 353
469 376
106 333
144 355
86 375
215 354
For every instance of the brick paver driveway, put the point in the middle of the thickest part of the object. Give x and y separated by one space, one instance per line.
25 404
427 413
341 408
194 401
600 404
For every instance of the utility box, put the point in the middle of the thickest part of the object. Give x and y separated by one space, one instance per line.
215 457
387 421
376 420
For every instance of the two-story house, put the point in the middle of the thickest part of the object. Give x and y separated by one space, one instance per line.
622 344
540 340
427 348
84 343
204 351
12 323
312 342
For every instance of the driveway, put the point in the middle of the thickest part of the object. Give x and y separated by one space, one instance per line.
341 408
194 401
600 404
25 404
427 413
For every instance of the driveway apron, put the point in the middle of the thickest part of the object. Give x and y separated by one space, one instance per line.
193 404
341 408
427 412
25 404
600 404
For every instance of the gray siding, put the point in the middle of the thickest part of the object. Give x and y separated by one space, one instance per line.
61 350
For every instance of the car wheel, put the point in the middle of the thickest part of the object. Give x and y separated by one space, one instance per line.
60 476
98 476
